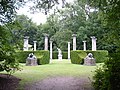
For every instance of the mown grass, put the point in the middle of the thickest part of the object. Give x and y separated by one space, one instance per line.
30 74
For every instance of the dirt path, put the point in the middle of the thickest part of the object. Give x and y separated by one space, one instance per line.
8 83
61 83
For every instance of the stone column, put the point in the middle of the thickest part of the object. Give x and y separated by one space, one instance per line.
46 42
84 45
34 45
50 50
74 41
68 50
94 43
25 48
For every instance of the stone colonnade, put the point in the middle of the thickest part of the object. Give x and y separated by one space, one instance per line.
46 44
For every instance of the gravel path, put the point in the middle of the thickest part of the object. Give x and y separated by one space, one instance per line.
61 83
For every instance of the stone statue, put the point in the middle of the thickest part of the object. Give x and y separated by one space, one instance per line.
89 60
59 54
31 60
59 51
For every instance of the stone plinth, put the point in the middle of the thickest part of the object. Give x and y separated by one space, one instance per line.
89 60
31 60
59 57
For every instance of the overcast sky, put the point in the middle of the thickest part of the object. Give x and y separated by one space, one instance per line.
37 17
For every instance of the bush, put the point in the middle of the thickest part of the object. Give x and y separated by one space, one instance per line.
99 55
42 56
108 77
101 82
55 55
77 57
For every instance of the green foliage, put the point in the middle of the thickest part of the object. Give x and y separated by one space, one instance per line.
7 57
44 59
7 8
99 55
107 77
100 78
42 56
55 55
77 57
114 70
61 39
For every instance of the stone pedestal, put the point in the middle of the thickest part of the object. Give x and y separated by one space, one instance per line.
25 48
93 43
59 57
31 60
46 42
74 41
34 45
84 45
89 60
68 50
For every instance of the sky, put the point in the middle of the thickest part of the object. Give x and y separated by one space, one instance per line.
36 17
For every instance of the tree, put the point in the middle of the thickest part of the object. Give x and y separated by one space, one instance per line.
110 17
7 13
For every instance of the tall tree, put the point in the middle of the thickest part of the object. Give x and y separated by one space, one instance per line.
110 17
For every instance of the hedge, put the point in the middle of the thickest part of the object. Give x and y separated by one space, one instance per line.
77 57
55 55
42 56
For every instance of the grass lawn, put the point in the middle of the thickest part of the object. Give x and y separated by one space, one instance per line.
30 74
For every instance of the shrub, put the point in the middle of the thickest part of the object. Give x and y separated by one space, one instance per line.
99 55
55 55
42 56
77 57
108 77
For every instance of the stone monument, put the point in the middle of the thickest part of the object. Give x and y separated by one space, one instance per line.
31 60
59 54
89 60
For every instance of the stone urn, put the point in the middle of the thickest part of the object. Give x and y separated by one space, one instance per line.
31 60
89 60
